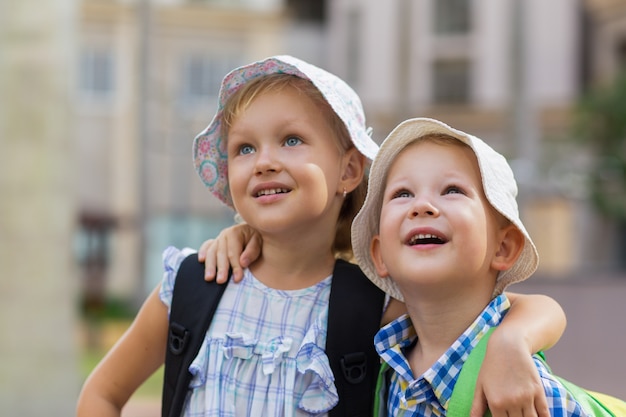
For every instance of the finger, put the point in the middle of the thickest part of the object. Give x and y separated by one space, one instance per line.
496 408
517 412
541 406
202 250
530 411
252 250
222 261
237 270
479 404
498 412
209 260
234 248
510 410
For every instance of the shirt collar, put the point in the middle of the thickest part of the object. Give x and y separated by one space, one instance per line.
392 341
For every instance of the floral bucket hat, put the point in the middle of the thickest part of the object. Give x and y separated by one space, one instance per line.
498 183
209 147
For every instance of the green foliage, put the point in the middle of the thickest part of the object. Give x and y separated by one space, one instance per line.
600 123
110 308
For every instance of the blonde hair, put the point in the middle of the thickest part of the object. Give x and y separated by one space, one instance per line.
239 102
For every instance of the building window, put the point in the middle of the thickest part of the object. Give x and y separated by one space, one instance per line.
451 82
452 16
96 72
307 10
202 75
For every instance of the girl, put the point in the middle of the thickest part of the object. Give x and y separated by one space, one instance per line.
287 150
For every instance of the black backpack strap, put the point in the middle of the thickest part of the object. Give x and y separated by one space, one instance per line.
194 301
354 314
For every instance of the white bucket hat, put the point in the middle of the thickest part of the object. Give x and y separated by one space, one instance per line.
498 182
209 147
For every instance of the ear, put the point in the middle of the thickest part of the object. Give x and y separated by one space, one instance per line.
510 247
353 169
377 259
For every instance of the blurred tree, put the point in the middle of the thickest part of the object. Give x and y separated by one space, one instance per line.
600 123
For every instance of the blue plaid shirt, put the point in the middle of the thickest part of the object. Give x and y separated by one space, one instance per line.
263 354
429 394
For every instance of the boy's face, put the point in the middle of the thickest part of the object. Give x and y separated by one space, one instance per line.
284 164
436 225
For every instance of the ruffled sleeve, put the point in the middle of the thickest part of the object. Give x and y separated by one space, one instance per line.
172 258
320 395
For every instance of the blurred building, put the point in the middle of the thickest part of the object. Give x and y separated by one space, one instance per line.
148 75
606 41
509 71
38 364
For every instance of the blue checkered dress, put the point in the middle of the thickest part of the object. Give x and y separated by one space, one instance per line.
429 394
263 354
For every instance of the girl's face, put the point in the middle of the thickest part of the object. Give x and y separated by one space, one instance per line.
284 164
436 225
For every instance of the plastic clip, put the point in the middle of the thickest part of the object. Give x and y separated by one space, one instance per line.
178 338
354 366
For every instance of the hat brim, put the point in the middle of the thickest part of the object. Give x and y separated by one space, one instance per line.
210 148
498 183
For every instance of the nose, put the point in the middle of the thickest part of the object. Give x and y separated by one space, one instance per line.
266 161
423 206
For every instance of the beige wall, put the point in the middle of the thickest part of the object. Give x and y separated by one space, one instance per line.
550 222
37 209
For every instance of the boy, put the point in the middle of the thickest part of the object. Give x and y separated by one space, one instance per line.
440 230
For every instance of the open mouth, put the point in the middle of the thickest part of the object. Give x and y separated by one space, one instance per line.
426 239
272 191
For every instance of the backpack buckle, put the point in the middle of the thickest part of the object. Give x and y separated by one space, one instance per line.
354 366
177 338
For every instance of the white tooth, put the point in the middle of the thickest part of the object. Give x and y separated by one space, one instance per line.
423 236
272 191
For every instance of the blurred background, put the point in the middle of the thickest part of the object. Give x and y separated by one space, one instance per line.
100 101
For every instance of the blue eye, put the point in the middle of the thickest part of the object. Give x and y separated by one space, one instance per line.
401 194
246 149
293 141
453 189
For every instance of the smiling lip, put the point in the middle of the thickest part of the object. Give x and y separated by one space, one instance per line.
270 192
425 236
